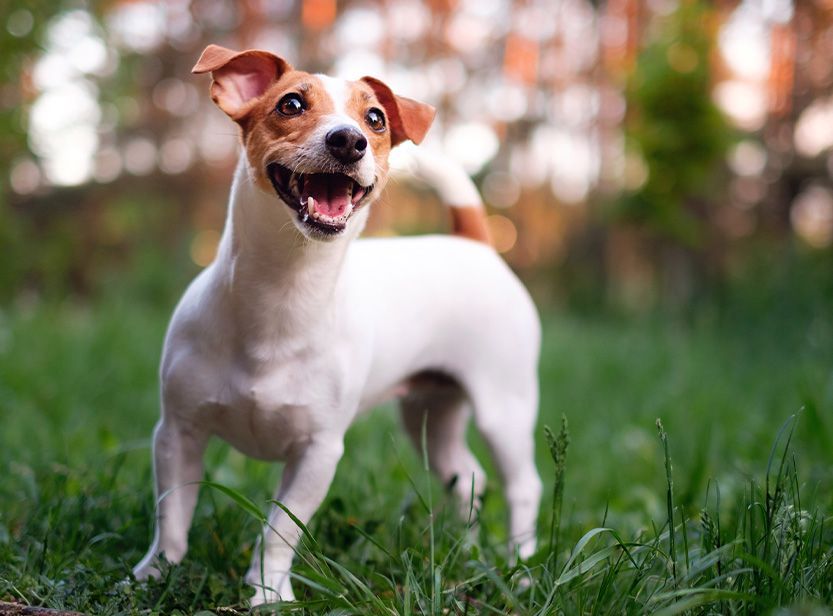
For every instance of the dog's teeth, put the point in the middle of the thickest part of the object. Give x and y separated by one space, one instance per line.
311 206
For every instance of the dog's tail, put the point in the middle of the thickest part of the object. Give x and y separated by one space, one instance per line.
456 190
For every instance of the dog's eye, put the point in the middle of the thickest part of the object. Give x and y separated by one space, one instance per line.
290 105
375 119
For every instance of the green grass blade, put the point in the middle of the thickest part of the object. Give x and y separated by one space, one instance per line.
243 501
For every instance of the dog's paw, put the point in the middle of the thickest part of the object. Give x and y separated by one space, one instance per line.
147 569
270 589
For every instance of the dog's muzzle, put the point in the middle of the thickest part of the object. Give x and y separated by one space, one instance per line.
324 201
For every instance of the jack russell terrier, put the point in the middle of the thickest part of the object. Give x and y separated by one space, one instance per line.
297 327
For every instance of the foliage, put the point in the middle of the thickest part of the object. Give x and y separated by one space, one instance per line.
19 53
57 240
673 127
13 141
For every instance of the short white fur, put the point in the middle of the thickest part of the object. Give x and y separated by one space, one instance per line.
281 342
339 93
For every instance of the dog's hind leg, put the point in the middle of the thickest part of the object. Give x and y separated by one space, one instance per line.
506 420
441 406
177 468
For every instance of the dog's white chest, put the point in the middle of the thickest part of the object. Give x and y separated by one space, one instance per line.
269 415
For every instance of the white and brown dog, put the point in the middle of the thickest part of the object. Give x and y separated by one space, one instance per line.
296 328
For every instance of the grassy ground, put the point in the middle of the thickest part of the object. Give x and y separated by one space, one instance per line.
751 531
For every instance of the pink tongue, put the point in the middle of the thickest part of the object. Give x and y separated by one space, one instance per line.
331 193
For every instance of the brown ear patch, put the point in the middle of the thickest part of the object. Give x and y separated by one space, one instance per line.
407 118
239 76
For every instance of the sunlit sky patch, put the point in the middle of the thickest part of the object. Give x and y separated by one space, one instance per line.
744 42
811 215
138 26
472 144
814 129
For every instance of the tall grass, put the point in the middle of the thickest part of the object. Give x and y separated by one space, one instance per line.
772 553
735 526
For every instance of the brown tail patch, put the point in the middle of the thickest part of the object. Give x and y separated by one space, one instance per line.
470 222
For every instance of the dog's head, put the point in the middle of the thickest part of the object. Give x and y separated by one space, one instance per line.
320 144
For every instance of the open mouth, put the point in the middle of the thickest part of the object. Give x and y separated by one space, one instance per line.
324 201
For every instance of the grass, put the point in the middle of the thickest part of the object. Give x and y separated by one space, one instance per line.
738 524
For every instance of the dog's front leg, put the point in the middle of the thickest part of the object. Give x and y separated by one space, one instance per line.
177 469
305 482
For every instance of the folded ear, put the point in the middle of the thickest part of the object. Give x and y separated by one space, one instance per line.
407 118
239 76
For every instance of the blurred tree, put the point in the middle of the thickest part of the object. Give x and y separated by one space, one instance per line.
24 25
806 41
676 139
59 238
675 135
21 24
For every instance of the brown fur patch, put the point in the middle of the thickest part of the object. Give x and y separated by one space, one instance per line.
470 222
270 137
407 118
361 99
249 84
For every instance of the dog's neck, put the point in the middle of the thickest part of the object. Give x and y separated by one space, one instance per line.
280 283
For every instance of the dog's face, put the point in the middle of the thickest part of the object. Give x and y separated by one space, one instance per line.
320 144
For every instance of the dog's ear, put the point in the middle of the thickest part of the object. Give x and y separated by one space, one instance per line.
407 118
239 77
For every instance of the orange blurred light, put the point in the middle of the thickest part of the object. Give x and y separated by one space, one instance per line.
811 215
520 59
620 33
503 232
782 69
204 247
318 14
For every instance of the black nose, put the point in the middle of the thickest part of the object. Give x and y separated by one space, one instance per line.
346 144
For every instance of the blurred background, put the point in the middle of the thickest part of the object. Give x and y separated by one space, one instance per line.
659 172
633 153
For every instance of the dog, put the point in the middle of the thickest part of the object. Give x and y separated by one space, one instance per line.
297 326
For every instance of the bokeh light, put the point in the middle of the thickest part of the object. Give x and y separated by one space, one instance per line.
812 216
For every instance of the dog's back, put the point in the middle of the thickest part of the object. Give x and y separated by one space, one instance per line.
480 315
